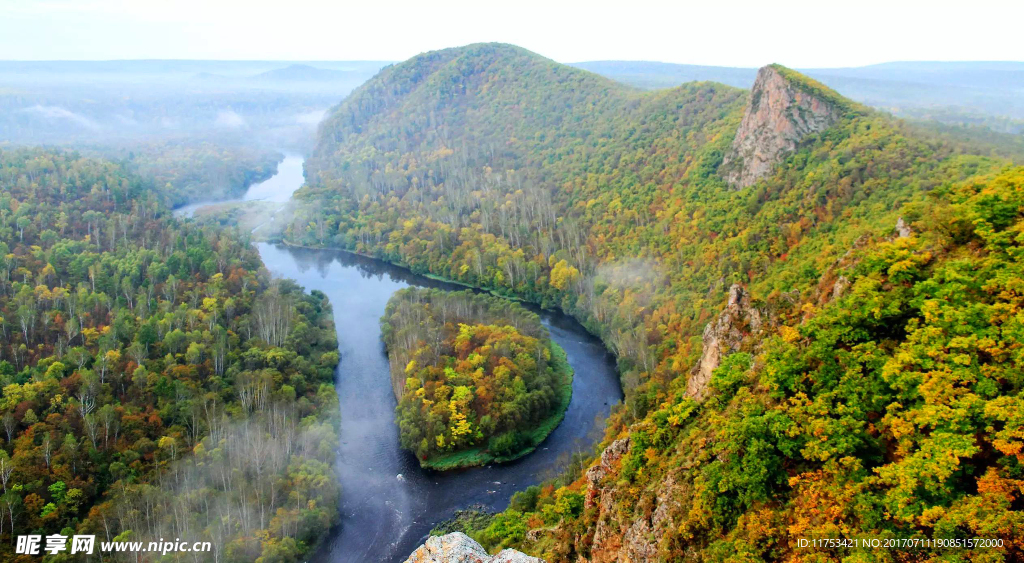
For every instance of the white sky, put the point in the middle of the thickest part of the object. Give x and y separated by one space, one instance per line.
731 33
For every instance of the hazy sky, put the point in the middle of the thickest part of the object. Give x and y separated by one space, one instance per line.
733 33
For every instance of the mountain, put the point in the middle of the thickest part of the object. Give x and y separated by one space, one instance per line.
815 308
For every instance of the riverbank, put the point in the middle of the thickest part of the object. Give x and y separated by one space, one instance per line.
485 289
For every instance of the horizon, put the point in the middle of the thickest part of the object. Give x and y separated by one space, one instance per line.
572 62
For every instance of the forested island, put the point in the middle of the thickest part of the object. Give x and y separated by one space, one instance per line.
155 379
477 377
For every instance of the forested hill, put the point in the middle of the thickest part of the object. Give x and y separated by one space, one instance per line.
494 102
767 267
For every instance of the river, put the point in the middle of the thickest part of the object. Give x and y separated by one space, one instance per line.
388 503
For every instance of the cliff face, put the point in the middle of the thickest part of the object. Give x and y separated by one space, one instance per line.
614 540
460 548
780 114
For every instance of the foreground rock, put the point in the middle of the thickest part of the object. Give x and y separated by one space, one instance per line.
460 548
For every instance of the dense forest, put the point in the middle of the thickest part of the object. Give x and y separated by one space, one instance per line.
877 394
156 382
477 377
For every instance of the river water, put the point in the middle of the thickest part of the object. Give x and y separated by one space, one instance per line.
388 503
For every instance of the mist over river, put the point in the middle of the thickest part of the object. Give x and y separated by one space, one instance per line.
277 189
388 504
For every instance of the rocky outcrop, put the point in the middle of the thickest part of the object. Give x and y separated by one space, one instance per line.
903 230
780 114
460 548
637 539
602 468
724 336
839 288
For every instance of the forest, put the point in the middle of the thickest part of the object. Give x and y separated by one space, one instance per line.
156 382
882 394
477 377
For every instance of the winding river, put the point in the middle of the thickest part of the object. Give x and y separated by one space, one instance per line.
388 504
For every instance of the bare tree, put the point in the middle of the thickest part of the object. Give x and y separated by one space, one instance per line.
273 312
9 425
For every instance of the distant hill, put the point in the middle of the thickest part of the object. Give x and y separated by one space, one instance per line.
301 75
118 102
951 92
306 73
172 67
648 74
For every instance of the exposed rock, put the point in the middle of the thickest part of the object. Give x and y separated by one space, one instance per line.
779 116
667 502
636 540
635 543
607 542
723 336
597 472
903 230
513 556
460 548
840 287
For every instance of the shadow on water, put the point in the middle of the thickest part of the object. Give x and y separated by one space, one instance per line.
388 503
